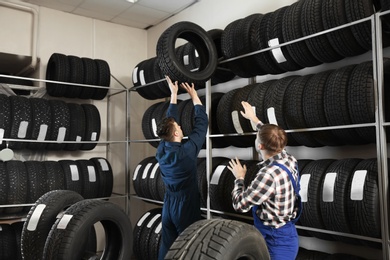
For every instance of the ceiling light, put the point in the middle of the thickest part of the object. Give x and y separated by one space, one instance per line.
132 1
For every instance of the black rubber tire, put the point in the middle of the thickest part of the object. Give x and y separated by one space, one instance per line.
70 242
36 179
5 118
7 242
204 45
90 178
147 252
21 121
41 123
237 240
103 79
90 78
58 69
60 121
4 186
17 186
55 175
40 219
148 121
18 227
92 126
76 127
104 170
76 74
73 178
137 176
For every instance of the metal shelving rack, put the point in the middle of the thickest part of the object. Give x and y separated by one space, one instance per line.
379 124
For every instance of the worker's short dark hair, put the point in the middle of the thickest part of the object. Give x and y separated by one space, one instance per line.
273 137
166 128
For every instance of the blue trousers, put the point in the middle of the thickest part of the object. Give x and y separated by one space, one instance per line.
180 209
282 243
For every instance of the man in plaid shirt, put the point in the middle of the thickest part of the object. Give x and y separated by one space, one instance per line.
271 195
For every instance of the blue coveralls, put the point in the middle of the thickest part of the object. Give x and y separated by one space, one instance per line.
178 166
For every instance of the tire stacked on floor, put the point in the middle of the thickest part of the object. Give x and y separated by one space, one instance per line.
24 182
10 241
76 70
72 235
40 119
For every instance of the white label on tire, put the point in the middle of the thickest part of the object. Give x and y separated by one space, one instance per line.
158 228
103 164
22 131
91 174
61 134
154 127
64 221
74 172
271 116
136 171
135 78
277 52
236 122
142 77
139 223
154 170
93 136
305 178
328 188
217 174
36 215
78 138
357 185
144 174
186 59
252 123
1 135
42 132
153 220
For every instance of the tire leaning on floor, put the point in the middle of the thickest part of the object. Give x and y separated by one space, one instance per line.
68 236
40 219
237 240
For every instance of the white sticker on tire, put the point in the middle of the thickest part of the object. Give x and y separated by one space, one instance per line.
217 174
74 170
158 228
136 171
103 164
135 78
146 170
22 131
64 221
186 60
93 136
271 116
357 185
35 217
1 135
153 220
236 122
61 134
154 170
328 187
142 219
91 174
277 52
142 77
42 132
305 179
154 127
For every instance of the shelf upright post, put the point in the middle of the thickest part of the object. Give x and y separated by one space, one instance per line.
209 156
377 55
127 152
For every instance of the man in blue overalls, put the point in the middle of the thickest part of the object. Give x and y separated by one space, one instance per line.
274 193
178 166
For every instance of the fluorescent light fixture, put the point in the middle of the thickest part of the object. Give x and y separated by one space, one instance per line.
132 1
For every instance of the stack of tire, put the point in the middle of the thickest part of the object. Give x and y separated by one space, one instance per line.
60 225
156 112
335 97
40 119
337 195
72 69
147 235
303 18
187 56
24 182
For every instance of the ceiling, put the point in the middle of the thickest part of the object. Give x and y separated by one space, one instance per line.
142 14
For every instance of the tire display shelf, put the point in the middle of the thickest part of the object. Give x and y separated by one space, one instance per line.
380 127
113 91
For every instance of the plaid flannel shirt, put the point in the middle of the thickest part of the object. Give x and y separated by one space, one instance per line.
271 189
